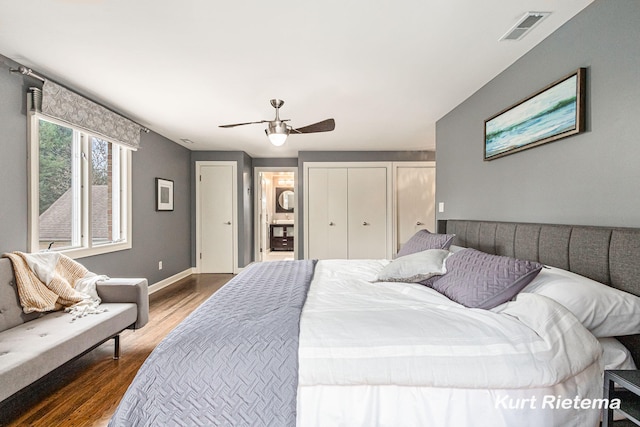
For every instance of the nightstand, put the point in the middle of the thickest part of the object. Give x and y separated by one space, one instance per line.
629 395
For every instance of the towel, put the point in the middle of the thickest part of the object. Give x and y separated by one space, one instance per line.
52 281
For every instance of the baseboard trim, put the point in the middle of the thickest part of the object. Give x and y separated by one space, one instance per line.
171 280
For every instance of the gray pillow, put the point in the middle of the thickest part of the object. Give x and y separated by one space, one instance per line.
416 267
423 240
479 280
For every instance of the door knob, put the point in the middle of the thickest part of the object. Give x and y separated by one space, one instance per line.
365 223
419 223
228 222
331 224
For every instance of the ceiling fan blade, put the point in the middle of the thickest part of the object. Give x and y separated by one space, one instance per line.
242 124
323 126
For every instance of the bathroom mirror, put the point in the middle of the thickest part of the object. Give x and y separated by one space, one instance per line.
284 199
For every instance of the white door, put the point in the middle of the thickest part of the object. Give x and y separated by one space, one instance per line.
216 219
415 201
367 189
327 216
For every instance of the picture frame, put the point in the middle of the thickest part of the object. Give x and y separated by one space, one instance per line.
164 194
557 111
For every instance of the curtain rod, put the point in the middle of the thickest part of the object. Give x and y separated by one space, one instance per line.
29 72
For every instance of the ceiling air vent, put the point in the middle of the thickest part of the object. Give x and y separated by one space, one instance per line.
524 25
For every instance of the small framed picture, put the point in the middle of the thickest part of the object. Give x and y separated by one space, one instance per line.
164 194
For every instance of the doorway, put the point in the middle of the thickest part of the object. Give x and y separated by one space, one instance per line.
276 213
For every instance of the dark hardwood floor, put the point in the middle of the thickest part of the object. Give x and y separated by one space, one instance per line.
86 391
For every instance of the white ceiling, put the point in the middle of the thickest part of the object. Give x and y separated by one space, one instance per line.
385 70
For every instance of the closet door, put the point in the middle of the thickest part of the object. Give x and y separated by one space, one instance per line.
415 201
367 206
327 216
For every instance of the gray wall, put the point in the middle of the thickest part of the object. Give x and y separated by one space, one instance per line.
347 156
276 162
245 234
591 178
157 236
244 195
13 161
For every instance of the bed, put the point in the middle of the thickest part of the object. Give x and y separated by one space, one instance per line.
329 343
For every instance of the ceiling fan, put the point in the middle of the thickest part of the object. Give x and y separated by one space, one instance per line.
277 130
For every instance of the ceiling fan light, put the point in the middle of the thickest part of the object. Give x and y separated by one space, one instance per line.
277 132
277 139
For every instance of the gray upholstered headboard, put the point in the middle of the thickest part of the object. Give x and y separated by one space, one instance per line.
606 254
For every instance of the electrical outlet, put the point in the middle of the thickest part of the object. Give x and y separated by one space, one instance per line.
441 207
159 265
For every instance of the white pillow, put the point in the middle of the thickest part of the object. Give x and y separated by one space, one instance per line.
415 267
605 311
615 355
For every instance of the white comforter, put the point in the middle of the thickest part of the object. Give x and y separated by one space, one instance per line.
354 331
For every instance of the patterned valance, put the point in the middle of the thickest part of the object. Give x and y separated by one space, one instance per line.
62 104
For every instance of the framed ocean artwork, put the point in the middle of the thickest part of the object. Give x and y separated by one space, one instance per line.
555 112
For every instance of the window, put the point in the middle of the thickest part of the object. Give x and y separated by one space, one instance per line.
80 191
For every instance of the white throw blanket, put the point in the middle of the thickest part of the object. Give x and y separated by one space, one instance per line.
91 304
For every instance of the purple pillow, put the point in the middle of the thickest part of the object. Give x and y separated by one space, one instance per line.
479 280
423 240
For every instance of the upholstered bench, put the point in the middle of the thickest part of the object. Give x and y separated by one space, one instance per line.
32 345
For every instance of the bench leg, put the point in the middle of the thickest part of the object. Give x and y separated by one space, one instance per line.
116 347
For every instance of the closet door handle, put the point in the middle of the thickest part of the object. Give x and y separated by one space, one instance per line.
228 222
331 224
365 223
419 223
